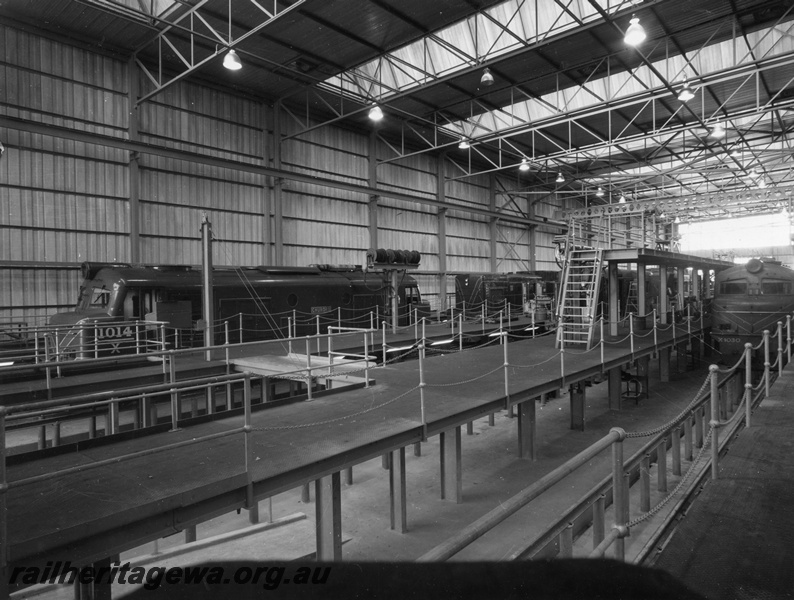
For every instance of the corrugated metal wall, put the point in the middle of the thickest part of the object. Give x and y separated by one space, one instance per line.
66 201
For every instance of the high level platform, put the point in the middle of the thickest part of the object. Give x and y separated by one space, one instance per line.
87 515
735 539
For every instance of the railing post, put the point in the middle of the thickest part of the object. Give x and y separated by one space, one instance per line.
715 421
317 321
113 416
601 325
676 450
655 340
506 365
788 339
645 483
631 332
422 390
241 327
383 343
779 348
308 371
250 503
289 335
137 338
618 496
174 393
748 382
460 332
366 360
766 363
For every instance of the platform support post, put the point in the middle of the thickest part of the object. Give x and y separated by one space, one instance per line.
577 395
676 448
527 426
451 466
305 494
349 476
417 448
614 388
253 513
328 517
190 534
664 364
397 491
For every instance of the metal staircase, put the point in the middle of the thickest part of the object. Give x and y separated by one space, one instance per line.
576 311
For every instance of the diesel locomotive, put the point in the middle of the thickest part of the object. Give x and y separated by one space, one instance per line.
747 300
256 303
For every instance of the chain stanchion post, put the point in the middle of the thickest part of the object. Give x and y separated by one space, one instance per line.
339 316
689 320
501 339
241 327
779 348
631 332
174 393
226 342
532 316
460 333
484 315
601 327
383 342
424 337
618 495
506 365
422 391
366 361
766 363
655 339
748 382
249 446
788 339
308 371
317 333
289 334
715 421
562 365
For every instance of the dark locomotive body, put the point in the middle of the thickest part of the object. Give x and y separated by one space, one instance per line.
747 300
256 302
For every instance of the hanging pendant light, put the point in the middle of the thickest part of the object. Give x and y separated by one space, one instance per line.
487 77
599 192
560 178
232 62
375 113
686 94
524 166
635 34
464 144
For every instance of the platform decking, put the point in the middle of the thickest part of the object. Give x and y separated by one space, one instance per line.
735 540
87 516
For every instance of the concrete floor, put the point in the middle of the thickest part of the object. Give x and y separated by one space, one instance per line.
491 474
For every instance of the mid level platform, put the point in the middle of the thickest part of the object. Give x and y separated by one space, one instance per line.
88 514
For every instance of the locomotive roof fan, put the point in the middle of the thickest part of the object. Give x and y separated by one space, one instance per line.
754 266
387 258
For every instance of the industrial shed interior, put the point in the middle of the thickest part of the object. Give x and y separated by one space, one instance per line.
575 177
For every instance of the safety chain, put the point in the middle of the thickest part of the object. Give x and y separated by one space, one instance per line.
677 419
336 420
733 368
637 335
550 358
684 479
618 341
438 385
758 347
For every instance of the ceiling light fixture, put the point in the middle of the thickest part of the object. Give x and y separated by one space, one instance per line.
762 183
622 199
524 166
231 61
599 192
464 143
487 77
635 34
686 94
560 178
718 131
375 113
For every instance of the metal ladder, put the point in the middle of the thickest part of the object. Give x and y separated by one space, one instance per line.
576 311
631 299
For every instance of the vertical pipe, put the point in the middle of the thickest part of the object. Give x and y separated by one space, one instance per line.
715 423
174 393
655 340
